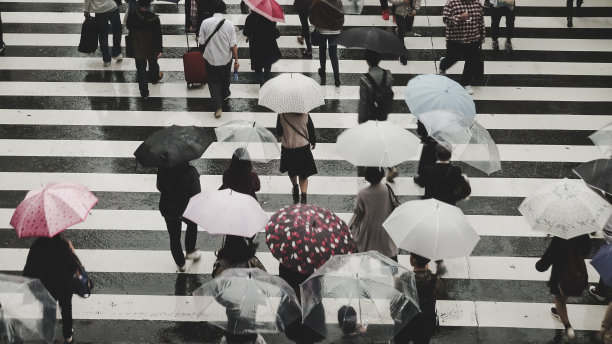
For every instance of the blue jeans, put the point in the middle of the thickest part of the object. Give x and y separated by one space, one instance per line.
333 53
103 19
143 77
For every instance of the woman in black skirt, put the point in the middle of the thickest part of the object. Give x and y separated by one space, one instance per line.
298 138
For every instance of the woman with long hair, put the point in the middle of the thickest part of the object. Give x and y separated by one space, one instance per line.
240 176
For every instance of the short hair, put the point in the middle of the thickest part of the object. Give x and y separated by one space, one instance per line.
347 319
218 6
374 174
442 152
144 3
420 261
372 57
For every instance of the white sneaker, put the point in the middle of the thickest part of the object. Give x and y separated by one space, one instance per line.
469 89
195 255
569 334
107 64
118 57
181 268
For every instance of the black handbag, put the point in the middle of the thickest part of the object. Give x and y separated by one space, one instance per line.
89 36
81 282
315 37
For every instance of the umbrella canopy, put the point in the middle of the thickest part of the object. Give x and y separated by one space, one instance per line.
303 237
226 212
352 6
372 38
253 300
436 92
172 146
27 311
269 9
603 139
602 262
597 174
565 208
432 229
48 211
255 140
291 93
382 292
375 143
471 142
327 14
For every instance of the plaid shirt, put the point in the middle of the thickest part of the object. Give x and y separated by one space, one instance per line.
464 31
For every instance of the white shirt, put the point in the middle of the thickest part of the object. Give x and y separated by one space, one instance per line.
99 6
218 51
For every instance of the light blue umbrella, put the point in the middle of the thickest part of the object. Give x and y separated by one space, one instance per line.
436 92
602 262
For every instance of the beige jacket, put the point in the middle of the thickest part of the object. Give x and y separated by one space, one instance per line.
295 130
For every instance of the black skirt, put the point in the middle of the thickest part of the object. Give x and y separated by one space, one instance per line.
298 161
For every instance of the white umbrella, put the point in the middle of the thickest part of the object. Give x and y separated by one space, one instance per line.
603 139
436 92
566 209
226 212
254 139
291 93
432 229
374 143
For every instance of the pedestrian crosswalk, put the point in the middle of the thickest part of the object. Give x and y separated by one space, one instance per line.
63 116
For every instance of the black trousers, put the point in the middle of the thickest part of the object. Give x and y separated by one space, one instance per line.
404 24
496 14
143 77
455 51
218 83
65 304
1 32
384 5
174 229
305 29
569 5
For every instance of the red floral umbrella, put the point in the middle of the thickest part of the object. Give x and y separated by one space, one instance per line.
303 237
269 9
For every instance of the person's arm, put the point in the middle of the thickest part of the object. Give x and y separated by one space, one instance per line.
194 185
363 108
481 24
201 36
193 16
235 54
439 290
279 127
312 135
451 19
548 257
234 47
87 7
416 5
358 213
157 33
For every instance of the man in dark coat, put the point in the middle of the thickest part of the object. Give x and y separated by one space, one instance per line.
441 178
177 185
428 153
263 49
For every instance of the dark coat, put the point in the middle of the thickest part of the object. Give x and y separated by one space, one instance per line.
440 181
558 253
366 93
145 34
52 261
262 34
177 185
248 184
353 339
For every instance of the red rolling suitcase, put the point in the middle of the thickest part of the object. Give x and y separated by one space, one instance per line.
194 66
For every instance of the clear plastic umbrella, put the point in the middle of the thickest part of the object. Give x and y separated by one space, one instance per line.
374 143
603 139
27 311
471 142
253 300
436 92
291 93
259 143
432 229
382 292
566 208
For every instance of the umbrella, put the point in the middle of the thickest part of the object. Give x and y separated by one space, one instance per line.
602 262
565 208
597 174
257 140
374 143
382 292
432 229
303 237
352 6
48 211
327 14
269 9
436 92
291 93
372 38
603 139
27 311
172 146
471 142
253 300
226 212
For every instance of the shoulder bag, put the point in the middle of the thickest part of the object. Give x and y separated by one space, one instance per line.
203 47
394 200
81 282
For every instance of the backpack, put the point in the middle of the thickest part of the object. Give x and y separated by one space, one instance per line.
382 100
574 278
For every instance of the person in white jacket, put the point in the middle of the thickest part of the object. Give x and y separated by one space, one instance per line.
106 11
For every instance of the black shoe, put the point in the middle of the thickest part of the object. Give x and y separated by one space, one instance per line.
225 97
418 181
296 194
337 83
144 95
307 53
322 76
158 77
244 8
403 61
579 3
303 200
569 22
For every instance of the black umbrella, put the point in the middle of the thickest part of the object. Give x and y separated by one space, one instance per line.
372 38
172 146
597 173
327 14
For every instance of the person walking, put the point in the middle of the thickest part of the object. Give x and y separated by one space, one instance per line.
351 332
327 41
52 260
404 12
2 44
240 176
601 292
298 138
263 49
106 12
569 5
146 40
465 32
568 276
236 252
302 7
218 53
177 185
372 207
428 153
499 9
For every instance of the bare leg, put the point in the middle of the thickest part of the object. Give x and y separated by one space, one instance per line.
304 185
561 305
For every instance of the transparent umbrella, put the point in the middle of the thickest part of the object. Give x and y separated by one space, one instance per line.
382 292
27 311
603 139
258 143
471 142
436 92
253 300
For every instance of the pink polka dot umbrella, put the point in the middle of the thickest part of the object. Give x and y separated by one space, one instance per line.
48 211
303 237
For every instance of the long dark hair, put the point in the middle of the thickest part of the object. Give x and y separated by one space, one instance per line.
237 249
240 166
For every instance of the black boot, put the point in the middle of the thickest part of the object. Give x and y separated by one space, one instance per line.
303 199
322 75
569 22
296 194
